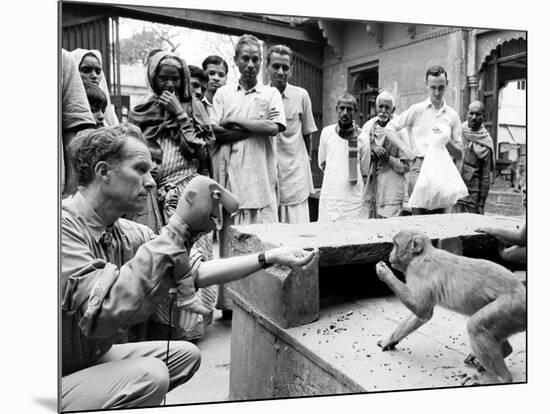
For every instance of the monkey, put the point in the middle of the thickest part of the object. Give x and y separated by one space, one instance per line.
485 291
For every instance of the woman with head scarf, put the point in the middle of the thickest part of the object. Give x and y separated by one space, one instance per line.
177 127
90 64
174 122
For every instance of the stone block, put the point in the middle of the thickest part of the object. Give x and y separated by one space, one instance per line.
290 297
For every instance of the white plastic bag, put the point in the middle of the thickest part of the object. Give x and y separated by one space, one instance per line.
439 183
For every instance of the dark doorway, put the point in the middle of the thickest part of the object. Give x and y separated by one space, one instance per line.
365 88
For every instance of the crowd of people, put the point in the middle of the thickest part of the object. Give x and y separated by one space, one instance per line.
141 199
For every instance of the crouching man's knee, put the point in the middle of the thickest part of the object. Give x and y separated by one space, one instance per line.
184 361
155 380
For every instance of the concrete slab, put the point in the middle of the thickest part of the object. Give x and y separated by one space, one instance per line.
366 241
346 336
338 353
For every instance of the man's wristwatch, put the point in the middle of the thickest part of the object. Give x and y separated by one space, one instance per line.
261 260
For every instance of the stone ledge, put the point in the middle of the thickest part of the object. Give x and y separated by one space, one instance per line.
366 241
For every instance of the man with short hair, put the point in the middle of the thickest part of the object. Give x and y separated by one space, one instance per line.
293 169
246 118
216 69
432 116
344 159
114 272
198 82
478 161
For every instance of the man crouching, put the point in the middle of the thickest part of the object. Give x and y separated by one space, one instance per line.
114 272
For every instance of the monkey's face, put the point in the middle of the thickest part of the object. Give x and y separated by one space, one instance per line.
406 246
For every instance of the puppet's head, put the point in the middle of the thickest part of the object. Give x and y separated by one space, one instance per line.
201 204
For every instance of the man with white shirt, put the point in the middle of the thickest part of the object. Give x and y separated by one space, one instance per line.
246 118
422 119
293 169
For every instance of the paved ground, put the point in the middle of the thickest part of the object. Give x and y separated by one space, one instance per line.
211 382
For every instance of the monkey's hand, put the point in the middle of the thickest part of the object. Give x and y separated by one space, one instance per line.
387 345
384 272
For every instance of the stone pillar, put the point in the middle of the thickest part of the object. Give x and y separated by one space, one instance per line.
472 66
473 84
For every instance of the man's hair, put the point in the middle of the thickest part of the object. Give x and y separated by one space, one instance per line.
103 144
481 106
385 95
215 60
346 97
435 71
281 50
247 39
196 72
96 97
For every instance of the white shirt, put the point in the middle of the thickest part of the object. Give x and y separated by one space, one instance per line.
340 199
248 168
422 120
293 168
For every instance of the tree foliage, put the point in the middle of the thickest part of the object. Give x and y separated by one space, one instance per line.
137 47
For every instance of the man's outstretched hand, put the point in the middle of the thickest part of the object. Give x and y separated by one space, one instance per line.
291 256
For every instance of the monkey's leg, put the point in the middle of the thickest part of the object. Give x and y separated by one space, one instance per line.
409 325
489 329
471 359
506 348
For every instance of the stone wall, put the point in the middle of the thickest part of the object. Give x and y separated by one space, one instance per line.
402 64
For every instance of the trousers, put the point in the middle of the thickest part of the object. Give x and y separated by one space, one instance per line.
130 375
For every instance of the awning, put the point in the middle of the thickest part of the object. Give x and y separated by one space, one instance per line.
512 134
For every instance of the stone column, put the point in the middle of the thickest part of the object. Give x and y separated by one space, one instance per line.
473 84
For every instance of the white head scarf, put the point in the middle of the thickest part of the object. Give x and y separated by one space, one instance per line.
78 55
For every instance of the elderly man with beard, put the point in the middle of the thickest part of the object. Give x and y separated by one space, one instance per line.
386 182
114 272
478 161
293 169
